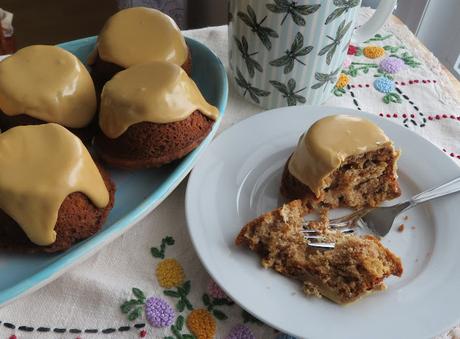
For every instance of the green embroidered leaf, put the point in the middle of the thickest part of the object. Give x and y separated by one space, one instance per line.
188 336
221 301
206 300
181 291
180 306
128 305
169 240
176 332
219 315
386 99
169 337
171 293
188 304
180 322
139 294
157 253
187 286
135 314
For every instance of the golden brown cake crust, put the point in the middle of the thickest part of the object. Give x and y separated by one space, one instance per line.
78 219
148 144
357 265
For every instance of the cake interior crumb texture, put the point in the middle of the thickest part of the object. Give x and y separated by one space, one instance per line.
365 179
355 267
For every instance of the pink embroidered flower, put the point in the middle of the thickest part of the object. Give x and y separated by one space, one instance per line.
347 62
352 50
240 332
158 312
215 291
391 65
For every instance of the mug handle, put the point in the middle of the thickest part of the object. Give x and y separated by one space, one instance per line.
381 14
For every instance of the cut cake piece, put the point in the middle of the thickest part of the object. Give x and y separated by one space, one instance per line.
342 161
355 267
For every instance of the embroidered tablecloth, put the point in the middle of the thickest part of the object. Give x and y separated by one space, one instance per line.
150 283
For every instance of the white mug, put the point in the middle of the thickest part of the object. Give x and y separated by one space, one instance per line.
285 52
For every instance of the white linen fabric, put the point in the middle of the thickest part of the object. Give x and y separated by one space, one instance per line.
89 296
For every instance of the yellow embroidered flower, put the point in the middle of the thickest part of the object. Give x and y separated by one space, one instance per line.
202 324
342 81
169 273
373 52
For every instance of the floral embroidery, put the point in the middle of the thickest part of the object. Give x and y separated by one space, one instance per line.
158 312
215 291
160 253
373 52
354 50
356 67
387 86
240 332
408 59
384 85
181 293
133 307
342 81
202 324
212 303
177 328
347 62
391 65
169 273
378 37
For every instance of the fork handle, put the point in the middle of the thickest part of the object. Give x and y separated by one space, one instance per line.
450 187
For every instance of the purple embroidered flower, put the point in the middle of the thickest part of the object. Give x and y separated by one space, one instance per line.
215 291
240 332
384 85
391 65
158 312
285 336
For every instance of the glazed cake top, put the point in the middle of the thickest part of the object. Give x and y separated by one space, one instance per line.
328 142
159 92
47 83
138 35
40 165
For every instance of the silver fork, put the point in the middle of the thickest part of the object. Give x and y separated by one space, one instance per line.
381 219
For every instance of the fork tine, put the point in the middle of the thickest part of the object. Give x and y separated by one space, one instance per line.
321 245
309 231
308 237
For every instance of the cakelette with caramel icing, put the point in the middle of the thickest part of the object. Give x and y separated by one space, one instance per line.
39 167
158 92
138 35
328 142
47 83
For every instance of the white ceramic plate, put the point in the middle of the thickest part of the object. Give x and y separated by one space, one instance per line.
238 178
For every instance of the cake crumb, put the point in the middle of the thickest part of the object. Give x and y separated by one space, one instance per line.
401 228
311 289
406 217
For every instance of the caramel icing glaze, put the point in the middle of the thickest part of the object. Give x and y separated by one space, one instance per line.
159 92
138 35
47 83
39 167
326 145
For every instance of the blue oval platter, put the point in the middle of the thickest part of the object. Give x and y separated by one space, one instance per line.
138 192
